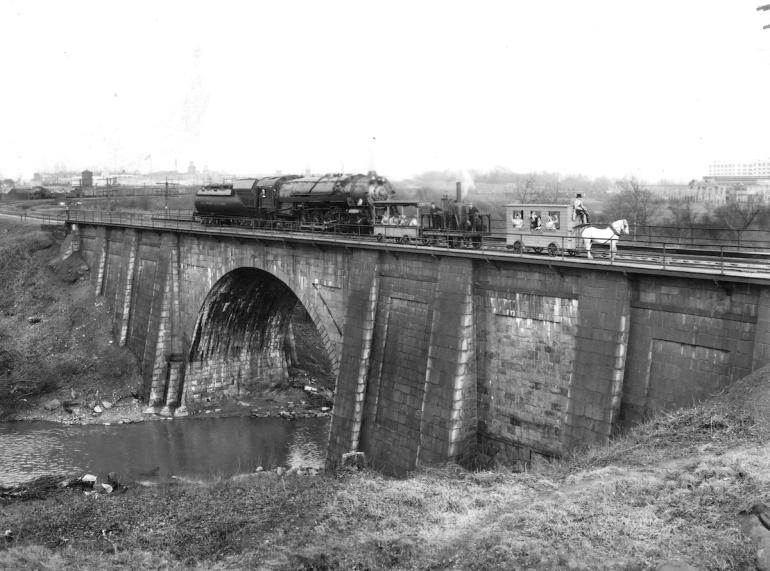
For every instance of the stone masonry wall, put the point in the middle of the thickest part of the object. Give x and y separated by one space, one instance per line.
315 276
688 339
600 358
420 398
551 352
437 355
362 291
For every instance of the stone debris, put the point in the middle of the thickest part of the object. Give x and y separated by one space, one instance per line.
354 460
291 414
52 404
114 480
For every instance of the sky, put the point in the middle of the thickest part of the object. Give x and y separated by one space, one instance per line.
655 89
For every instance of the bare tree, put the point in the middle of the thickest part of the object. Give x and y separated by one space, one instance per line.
685 217
634 202
526 188
738 217
552 189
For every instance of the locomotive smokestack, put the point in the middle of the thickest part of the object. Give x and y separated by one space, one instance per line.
459 191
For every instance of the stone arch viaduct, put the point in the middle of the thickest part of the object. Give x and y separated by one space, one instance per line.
438 353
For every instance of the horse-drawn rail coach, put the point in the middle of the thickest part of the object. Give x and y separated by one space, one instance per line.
557 228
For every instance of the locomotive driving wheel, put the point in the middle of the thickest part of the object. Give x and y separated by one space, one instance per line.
517 249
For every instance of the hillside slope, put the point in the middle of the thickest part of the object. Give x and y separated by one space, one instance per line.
55 343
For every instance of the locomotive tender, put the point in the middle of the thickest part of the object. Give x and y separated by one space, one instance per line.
328 202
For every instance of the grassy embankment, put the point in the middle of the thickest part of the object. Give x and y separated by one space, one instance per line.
671 488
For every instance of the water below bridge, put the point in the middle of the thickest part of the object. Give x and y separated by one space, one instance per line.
192 449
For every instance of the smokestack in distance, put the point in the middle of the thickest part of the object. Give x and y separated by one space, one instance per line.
373 155
459 191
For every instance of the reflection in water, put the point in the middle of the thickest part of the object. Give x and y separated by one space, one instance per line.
195 448
305 450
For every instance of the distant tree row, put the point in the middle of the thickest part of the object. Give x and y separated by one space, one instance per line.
608 200
683 219
507 186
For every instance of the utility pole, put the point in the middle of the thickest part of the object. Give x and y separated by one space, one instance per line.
165 192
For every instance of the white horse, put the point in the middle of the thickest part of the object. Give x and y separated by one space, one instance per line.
609 234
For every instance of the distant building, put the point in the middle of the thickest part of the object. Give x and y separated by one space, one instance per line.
697 191
86 179
738 171
754 194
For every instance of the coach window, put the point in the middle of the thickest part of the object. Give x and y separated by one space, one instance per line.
553 218
535 220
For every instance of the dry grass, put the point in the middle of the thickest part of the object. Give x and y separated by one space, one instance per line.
613 516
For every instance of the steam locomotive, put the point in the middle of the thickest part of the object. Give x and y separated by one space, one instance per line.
338 202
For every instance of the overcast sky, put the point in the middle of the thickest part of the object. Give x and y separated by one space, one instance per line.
654 89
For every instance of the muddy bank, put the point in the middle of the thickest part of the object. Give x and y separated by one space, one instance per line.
287 403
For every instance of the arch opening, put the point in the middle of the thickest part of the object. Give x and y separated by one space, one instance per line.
254 341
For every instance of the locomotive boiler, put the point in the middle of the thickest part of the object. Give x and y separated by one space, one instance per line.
332 201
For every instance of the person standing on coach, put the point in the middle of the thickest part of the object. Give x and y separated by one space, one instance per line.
579 210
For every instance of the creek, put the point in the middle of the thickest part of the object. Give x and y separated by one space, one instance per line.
197 448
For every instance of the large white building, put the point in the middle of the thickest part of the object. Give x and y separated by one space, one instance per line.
759 169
